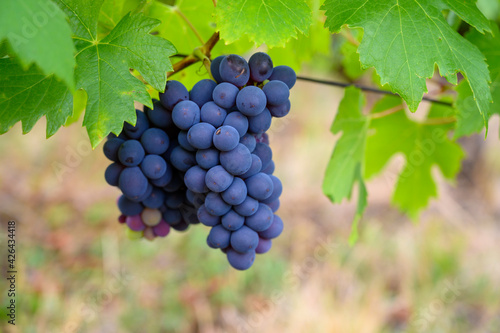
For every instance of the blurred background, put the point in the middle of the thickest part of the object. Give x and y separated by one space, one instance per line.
78 272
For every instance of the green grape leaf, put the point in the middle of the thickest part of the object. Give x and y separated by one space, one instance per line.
404 40
423 144
29 95
38 32
305 47
112 12
103 66
272 22
469 120
346 164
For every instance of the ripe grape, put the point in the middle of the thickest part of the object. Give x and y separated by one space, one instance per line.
261 220
154 166
175 92
274 230
277 92
112 173
232 221
281 110
202 92
182 139
251 101
186 114
248 207
111 148
240 261
238 121
219 237
218 179
215 205
260 123
224 95
284 74
181 159
213 114
236 193
249 141
195 179
155 141
244 240
236 161
155 199
128 207
133 183
207 158
206 218
260 186
226 138
234 69
200 135
264 246
131 153
255 168
261 66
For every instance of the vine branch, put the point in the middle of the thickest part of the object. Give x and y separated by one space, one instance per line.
199 54
365 88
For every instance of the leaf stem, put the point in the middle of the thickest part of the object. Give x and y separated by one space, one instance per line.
348 35
439 121
191 26
215 3
387 112
365 88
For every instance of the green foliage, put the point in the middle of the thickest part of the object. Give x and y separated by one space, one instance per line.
423 144
38 33
346 164
32 91
404 40
468 119
272 22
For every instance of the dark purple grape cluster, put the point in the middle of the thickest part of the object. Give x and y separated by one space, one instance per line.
217 156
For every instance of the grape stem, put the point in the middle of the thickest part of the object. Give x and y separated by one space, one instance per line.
202 53
365 88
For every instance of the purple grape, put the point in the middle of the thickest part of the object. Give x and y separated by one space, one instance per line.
237 120
240 261
155 141
202 92
141 125
261 66
226 138
131 153
234 69
224 95
251 101
260 123
175 92
284 74
154 166
236 161
277 92
195 179
111 148
274 230
186 114
236 193
213 114
260 186
261 220
218 179
200 135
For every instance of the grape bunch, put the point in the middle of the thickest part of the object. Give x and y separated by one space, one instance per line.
217 155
